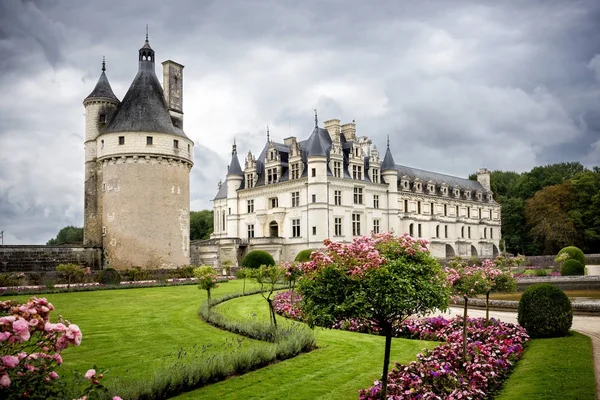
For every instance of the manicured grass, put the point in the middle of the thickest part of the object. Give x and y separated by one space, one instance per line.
134 332
559 368
344 363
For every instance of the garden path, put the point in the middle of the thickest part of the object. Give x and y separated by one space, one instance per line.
588 325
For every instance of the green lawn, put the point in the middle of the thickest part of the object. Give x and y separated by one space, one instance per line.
560 368
130 332
344 363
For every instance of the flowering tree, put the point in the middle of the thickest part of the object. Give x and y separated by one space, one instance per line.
207 279
268 277
293 271
383 278
71 272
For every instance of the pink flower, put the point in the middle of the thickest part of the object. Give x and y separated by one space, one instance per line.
10 361
21 328
4 336
74 334
53 375
90 373
117 398
4 380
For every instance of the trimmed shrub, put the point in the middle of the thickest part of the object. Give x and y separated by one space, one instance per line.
545 311
572 267
574 254
304 255
256 258
187 271
109 276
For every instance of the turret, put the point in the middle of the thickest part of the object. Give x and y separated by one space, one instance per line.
235 175
100 106
389 173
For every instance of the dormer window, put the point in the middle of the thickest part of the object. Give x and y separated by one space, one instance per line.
479 196
273 155
296 171
431 188
357 172
468 194
250 180
456 192
271 175
445 191
417 186
337 169
375 177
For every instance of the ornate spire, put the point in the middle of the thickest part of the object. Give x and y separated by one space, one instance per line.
316 119
103 64
234 148
268 135
146 32
388 141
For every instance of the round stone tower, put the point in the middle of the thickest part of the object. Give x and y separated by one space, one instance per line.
143 161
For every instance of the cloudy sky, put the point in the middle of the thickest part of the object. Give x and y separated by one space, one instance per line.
457 85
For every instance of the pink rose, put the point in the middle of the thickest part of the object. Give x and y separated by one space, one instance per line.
4 380
90 374
117 398
4 336
21 327
10 361
53 375
74 334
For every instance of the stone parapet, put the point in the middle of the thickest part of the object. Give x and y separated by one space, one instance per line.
32 258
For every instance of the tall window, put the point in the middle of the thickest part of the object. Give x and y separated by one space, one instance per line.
295 199
274 202
314 230
411 230
358 195
271 175
490 215
485 233
431 208
491 233
457 214
296 227
250 231
356 224
445 210
375 201
419 208
314 198
175 143
420 232
375 226
375 175
446 231
249 180
468 212
405 205
223 218
437 231
469 232
295 171
337 169
357 172
337 226
250 206
480 213
462 232
337 197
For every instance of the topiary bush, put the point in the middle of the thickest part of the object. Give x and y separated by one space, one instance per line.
545 311
256 258
572 267
574 254
304 255
109 276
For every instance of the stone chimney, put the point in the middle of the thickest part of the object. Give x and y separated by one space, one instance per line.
333 127
289 140
483 177
349 131
173 91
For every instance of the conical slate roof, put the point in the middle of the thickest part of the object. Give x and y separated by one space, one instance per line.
388 161
143 108
102 90
318 143
234 165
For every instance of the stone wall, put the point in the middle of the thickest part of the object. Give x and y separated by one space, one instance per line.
548 261
27 258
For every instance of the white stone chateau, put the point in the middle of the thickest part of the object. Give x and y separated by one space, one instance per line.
137 169
335 185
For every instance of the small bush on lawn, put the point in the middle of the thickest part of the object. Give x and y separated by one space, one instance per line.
71 273
256 258
545 311
574 253
109 276
304 255
572 267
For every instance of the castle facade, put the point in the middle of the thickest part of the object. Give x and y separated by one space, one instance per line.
137 169
334 184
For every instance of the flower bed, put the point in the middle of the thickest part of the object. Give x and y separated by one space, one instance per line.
440 373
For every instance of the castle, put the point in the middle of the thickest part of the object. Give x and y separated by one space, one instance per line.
137 169
335 185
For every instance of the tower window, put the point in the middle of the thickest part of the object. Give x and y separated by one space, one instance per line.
314 198
313 172
149 140
189 148
175 143
121 140
314 230
102 118
102 144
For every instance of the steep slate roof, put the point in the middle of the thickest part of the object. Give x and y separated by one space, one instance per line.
388 161
234 165
318 143
102 89
222 193
425 176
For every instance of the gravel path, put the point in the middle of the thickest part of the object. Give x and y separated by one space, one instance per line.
588 325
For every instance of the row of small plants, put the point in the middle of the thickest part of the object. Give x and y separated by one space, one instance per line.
441 373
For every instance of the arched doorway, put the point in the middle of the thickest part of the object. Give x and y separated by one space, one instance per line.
495 251
273 229
450 251
473 251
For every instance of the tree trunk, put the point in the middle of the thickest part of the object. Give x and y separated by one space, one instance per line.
244 286
465 329
487 306
69 282
208 294
386 358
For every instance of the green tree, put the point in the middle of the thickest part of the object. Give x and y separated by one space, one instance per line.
268 277
207 279
548 175
201 224
385 278
68 234
585 213
70 272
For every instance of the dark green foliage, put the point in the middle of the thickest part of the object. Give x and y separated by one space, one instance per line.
68 234
304 255
256 258
201 224
545 311
572 267
109 276
187 271
135 274
574 254
11 279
